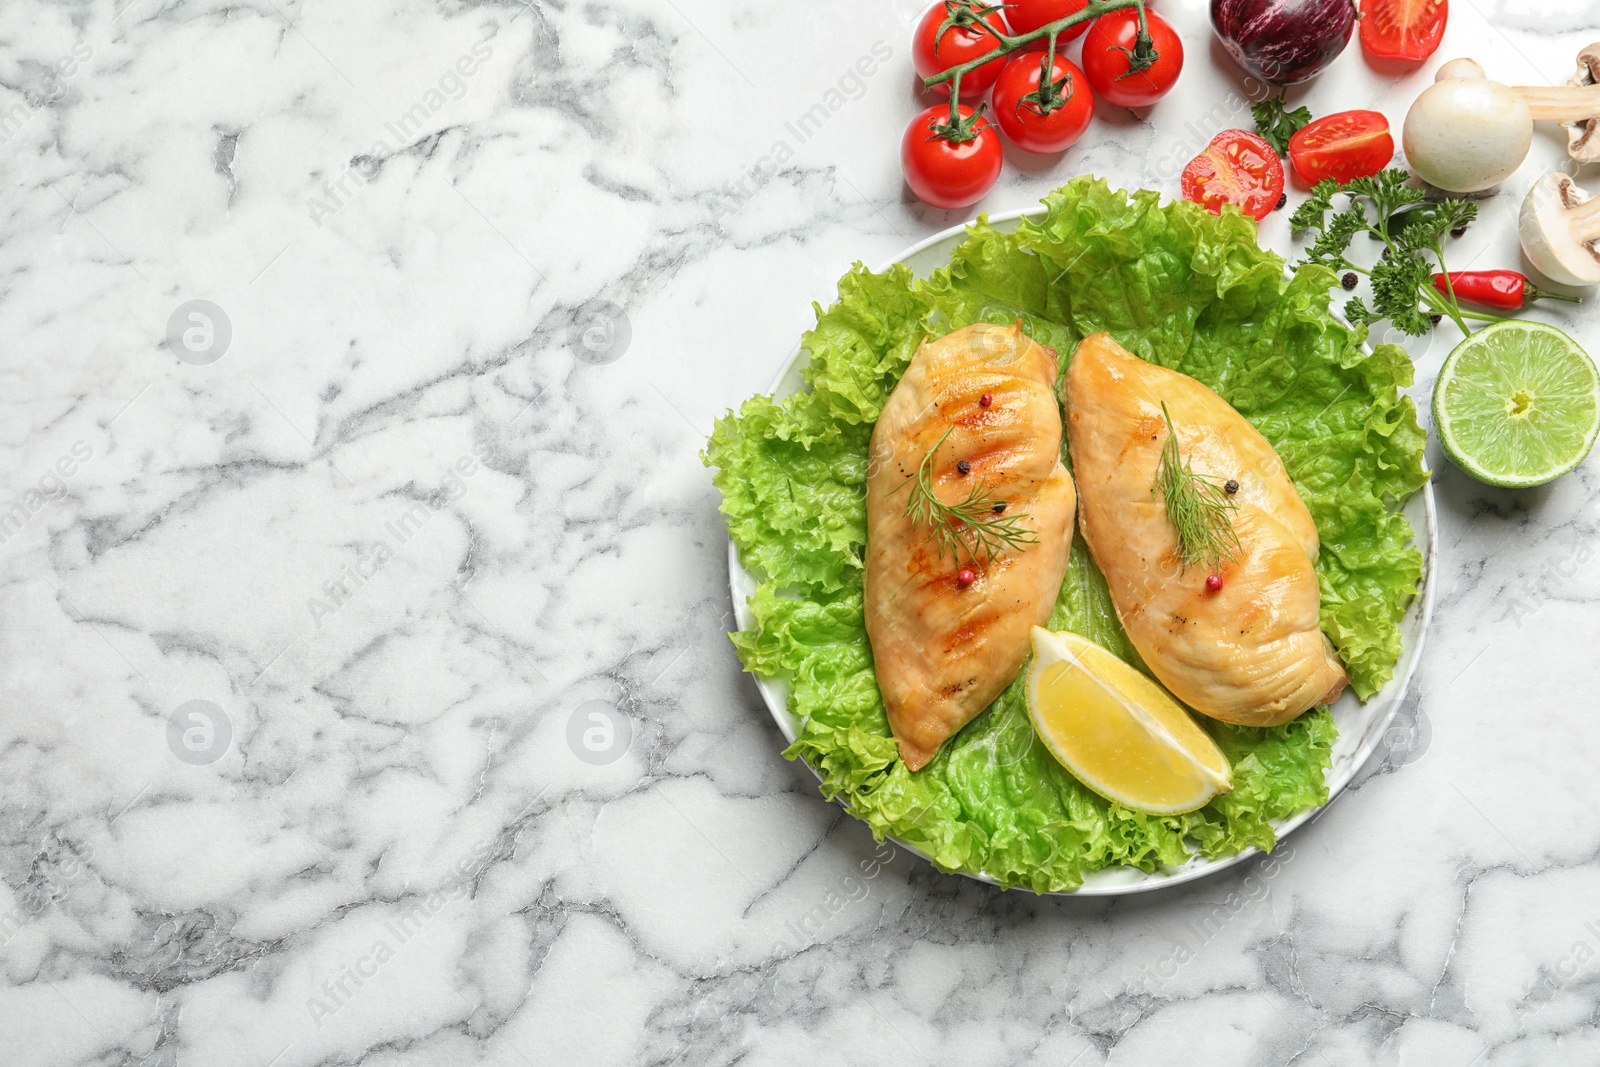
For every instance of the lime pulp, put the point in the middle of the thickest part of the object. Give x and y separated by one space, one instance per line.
1517 404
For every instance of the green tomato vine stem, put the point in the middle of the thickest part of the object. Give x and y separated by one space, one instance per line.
1140 57
1047 64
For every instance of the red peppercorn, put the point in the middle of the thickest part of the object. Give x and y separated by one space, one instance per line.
985 400
966 576
1214 583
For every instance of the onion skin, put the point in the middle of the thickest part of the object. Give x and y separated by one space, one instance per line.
1284 42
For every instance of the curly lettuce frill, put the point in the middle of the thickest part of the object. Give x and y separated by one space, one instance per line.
1182 288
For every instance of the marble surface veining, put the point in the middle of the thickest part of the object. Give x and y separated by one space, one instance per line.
362 596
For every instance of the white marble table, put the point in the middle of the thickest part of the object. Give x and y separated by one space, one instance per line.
365 697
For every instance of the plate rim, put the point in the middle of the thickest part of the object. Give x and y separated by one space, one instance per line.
1197 867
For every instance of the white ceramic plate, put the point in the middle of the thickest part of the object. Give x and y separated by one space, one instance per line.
1361 726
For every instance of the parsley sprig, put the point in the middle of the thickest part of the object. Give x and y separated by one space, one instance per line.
979 522
1413 233
1200 510
1276 123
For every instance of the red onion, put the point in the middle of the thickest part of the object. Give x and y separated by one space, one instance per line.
1283 41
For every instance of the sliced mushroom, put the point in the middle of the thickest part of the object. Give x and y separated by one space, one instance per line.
1575 105
1560 231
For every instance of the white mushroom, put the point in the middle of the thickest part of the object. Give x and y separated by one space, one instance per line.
1575 105
1460 68
1560 231
1466 133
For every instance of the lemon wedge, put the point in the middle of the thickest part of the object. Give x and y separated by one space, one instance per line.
1118 732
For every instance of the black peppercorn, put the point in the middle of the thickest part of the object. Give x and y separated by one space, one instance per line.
1230 487
1000 507
964 467
1458 231
1349 281
1436 319
1282 200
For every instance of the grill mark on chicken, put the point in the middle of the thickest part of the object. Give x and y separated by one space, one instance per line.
943 652
1281 665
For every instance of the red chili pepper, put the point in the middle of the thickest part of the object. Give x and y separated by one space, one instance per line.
1503 289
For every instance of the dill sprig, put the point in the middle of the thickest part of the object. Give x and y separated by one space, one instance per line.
980 522
1200 510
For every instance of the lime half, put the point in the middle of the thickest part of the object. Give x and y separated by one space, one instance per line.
1517 404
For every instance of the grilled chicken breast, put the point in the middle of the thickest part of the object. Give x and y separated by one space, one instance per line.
1252 652
943 650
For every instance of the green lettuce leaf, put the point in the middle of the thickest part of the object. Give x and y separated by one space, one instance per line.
1184 289
793 473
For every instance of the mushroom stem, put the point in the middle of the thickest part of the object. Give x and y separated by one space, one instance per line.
1562 103
1586 219
1560 230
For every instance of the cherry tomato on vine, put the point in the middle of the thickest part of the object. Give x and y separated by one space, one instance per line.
948 173
1019 105
1405 30
1239 168
933 52
1025 16
1345 145
1111 49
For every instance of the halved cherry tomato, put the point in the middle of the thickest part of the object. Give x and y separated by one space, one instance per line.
955 46
1406 30
945 173
1349 144
1024 120
1108 55
1025 16
1238 168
